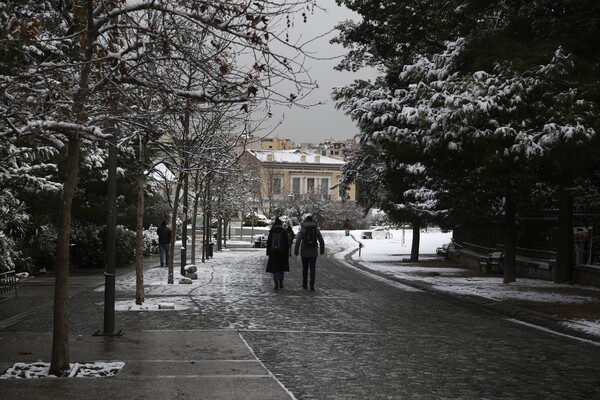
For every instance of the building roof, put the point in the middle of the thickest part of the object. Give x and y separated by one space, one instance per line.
293 157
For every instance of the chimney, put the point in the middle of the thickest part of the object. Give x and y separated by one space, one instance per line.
270 157
303 158
317 159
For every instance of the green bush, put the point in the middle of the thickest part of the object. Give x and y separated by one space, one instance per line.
39 252
125 246
86 246
87 250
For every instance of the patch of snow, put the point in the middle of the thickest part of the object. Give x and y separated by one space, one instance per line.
583 325
77 370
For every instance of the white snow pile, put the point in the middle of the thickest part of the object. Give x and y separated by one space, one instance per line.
77 370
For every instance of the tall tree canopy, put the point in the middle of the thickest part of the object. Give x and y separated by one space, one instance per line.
469 112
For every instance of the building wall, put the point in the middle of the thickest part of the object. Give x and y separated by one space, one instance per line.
283 181
302 180
276 143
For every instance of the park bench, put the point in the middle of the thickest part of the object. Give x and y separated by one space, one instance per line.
8 283
493 263
443 251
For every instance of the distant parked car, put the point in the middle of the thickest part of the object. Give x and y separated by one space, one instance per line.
378 232
259 220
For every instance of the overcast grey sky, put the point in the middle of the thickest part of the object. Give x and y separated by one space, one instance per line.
323 121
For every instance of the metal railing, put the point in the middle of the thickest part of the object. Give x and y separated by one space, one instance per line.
475 247
8 283
545 255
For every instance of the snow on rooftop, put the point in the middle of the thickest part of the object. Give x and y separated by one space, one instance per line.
293 156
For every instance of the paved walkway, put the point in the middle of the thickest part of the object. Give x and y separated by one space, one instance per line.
159 364
354 338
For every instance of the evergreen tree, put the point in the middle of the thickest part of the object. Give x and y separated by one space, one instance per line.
478 118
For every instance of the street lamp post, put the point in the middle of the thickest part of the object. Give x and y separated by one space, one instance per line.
111 241
184 224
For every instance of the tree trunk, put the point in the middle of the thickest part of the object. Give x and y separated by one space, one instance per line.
209 235
193 227
220 234
139 239
194 214
510 251
60 339
173 230
416 239
224 233
204 253
564 249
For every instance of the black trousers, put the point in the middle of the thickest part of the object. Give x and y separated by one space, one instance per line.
308 262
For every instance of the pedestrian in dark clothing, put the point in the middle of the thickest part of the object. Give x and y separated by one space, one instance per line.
310 243
291 236
347 226
277 250
164 243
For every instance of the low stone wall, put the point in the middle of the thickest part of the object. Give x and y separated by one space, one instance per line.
588 275
530 268
535 269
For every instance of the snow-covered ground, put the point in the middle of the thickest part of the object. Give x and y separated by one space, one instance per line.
382 254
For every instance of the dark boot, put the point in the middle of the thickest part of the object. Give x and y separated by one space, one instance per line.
276 286
280 284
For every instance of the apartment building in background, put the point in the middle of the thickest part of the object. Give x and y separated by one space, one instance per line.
339 149
295 174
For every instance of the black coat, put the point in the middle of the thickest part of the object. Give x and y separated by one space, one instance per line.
278 261
164 235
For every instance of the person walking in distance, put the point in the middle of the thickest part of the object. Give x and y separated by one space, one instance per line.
277 250
310 243
164 243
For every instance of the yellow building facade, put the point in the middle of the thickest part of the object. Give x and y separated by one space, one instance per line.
294 174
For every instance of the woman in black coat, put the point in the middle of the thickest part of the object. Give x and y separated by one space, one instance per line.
278 249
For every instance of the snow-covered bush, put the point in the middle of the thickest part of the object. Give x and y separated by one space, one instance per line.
87 250
12 219
380 218
150 240
37 252
330 214
86 245
7 253
125 246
